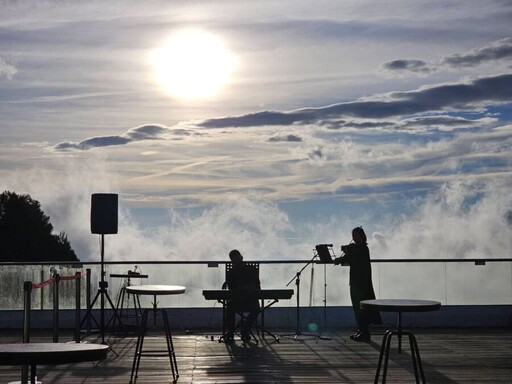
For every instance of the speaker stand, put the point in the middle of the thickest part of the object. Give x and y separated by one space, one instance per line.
101 294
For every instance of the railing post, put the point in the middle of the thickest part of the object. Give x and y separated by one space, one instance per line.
78 279
88 298
56 308
27 288
41 278
27 296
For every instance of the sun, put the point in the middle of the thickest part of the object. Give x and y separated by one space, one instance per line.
193 64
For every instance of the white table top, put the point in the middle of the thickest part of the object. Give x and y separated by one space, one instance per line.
156 289
401 305
51 353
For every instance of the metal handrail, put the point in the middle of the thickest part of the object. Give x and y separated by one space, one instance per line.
295 261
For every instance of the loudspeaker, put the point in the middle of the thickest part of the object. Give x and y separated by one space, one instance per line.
104 213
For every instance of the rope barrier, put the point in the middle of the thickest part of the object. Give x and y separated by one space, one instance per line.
43 283
28 287
62 278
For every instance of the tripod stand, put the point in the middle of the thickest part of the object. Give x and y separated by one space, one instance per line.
102 293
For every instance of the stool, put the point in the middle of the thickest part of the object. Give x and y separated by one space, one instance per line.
399 306
154 290
384 352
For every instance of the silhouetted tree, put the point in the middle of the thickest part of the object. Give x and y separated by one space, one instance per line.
26 232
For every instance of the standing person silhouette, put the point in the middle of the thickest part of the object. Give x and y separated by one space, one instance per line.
241 278
357 256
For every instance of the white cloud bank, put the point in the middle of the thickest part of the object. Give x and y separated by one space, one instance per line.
464 219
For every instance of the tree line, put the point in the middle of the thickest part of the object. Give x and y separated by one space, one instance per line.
26 233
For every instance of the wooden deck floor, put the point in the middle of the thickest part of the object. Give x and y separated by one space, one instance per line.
449 356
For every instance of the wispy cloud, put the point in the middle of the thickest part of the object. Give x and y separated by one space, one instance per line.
362 114
500 50
144 132
446 97
7 71
443 222
418 66
445 122
285 138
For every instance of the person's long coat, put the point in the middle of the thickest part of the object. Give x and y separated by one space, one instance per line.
357 256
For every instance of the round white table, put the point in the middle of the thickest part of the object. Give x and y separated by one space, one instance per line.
154 290
399 306
50 353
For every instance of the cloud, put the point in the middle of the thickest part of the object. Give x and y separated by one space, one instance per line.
458 96
498 50
285 138
7 71
141 133
462 219
259 119
418 66
93 142
444 122
415 156
356 123
422 123
256 227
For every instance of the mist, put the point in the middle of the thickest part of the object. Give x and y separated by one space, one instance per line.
463 219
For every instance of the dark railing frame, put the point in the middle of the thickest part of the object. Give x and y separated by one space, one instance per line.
477 261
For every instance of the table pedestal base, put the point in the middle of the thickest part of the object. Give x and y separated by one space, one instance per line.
24 375
384 353
140 341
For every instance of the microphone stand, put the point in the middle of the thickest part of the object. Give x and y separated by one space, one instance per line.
296 278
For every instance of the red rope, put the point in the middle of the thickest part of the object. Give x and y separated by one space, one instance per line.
62 278
43 284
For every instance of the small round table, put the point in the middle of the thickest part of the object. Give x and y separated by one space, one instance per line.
154 290
399 306
50 353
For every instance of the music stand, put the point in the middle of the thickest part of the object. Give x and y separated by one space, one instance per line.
326 255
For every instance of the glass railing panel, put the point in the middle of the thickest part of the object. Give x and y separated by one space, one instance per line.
470 284
425 281
452 283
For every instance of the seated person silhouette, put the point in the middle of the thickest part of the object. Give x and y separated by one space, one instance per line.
241 277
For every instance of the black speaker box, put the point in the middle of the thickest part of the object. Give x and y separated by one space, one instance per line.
104 213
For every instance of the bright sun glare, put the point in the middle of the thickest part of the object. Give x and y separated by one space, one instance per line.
193 64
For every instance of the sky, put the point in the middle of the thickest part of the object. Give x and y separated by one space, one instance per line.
267 126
